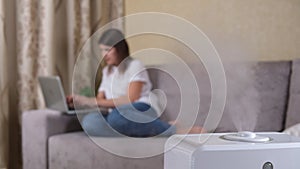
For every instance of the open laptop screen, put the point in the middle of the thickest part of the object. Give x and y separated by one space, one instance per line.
53 93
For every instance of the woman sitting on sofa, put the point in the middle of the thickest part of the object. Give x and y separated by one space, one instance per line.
124 90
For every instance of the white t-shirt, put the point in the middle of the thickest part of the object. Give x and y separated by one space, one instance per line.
115 84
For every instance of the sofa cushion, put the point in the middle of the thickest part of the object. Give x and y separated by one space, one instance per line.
77 151
293 112
171 87
257 101
270 83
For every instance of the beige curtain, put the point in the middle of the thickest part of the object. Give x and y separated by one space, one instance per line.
34 49
38 38
50 37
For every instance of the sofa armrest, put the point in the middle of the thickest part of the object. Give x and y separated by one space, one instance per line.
37 127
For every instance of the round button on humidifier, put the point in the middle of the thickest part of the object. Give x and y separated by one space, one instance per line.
246 136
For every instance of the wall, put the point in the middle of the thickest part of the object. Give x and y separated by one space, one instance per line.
260 29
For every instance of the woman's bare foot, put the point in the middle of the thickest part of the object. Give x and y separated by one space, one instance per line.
192 130
173 123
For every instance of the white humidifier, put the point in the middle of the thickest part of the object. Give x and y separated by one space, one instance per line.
243 150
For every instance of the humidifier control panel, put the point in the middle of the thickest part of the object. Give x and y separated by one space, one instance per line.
246 136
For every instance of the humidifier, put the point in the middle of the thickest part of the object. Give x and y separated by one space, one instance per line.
242 150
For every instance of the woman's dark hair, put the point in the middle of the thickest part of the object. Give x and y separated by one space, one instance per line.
115 38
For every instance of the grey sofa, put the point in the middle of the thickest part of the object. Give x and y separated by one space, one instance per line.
53 140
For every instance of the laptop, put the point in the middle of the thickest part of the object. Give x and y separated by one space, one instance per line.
55 98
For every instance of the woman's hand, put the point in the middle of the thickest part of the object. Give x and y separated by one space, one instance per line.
70 101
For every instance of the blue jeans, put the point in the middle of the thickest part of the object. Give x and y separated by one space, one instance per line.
135 120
